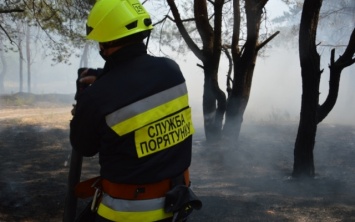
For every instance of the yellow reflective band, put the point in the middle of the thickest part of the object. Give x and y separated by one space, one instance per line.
151 115
153 215
116 118
164 133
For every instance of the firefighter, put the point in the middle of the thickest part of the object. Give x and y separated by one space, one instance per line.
136 116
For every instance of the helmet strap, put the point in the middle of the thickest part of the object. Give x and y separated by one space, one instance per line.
146 43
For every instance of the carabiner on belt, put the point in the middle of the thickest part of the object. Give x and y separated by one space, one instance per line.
97 195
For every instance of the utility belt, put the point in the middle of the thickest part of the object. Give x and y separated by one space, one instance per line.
142 191
88 188
180 200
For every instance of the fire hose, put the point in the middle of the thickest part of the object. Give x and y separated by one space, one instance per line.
70 204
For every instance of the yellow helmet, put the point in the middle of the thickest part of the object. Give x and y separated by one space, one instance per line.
114 19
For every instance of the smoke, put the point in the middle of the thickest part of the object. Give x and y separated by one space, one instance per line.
259 166
276 89
275 95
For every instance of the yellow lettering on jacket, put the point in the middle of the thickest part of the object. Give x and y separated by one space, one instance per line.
164 133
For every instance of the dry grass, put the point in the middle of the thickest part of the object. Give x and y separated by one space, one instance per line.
47 117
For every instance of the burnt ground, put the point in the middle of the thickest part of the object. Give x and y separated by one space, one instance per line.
248 183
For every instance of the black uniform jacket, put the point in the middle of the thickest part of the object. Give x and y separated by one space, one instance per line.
129 75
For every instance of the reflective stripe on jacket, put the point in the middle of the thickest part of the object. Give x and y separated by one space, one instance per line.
132 210
148 110
169 108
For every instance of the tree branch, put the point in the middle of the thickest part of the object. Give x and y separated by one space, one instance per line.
349 53
7 34
336 68
347 58
229 73
217 35
179 23
172 19
163 20
236 29
11 10
210 1
267 41
203 25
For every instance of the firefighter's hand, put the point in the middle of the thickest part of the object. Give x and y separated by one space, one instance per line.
88 76
73 110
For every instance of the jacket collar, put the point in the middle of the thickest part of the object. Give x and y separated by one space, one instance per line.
125 54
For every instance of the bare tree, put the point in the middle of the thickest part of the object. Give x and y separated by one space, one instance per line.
244 59
61 22
241 49
311 112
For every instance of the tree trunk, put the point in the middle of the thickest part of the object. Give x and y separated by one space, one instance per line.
214 99
21 66
3 68
244 64
28 57
213 113
311 73
305 141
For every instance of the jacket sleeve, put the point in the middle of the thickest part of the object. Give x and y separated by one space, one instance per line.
84 127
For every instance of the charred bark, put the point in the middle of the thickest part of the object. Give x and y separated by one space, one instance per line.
244 64
310 71
311 112
336 68
213 97
213 112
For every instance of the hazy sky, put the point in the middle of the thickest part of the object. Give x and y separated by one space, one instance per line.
276 90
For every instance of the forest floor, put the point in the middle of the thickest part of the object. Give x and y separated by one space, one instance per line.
250 182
